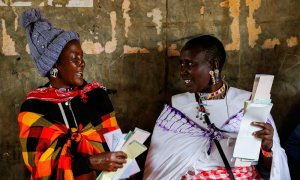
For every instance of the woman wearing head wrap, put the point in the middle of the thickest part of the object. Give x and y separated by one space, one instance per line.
185 147
62 123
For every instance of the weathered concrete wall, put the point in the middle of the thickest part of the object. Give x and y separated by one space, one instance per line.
132 46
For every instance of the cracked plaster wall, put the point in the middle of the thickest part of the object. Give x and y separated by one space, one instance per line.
132 46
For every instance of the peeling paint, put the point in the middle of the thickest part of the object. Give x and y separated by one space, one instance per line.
253 32
234 9
16 19
89 47
71 3
270 43
49 2
21 4
111 46
80 3
202 9
8 45
292 41
157 17
160 46
173 51
27 48
2 3
126 17
134 50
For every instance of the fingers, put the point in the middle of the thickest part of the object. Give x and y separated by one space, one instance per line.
108 161
118 157
262 125
266 132
114 166
121 155
116 160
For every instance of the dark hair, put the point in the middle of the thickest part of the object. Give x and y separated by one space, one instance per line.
210 45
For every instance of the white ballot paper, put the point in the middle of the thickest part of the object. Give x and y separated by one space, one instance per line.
130 143
112 138
262 87
138 135
247 146
133 150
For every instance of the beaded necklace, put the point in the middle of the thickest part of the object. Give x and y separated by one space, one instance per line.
63 89
216 134
218 94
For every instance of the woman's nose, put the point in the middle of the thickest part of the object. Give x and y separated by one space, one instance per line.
183 70
82 63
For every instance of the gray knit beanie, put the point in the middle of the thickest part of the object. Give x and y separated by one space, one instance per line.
45 41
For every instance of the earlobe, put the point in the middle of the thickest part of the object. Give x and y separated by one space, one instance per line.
53 72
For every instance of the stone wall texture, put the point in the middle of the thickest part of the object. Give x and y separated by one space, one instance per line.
132 46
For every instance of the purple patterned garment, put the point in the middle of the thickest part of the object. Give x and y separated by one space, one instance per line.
175 121
233 124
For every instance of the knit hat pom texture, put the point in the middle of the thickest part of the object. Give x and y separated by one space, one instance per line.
45 41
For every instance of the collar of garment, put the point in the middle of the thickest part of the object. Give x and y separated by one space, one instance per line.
57 95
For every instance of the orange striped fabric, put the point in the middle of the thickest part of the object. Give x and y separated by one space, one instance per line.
46 146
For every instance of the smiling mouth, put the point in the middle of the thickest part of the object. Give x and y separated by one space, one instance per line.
79 74
187 81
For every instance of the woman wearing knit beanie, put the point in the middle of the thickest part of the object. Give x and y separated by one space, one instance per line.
62 123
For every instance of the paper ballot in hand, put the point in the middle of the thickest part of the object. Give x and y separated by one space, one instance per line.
133 150
130 143
247 146
112 138
138 135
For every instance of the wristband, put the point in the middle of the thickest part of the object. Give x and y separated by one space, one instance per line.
266 153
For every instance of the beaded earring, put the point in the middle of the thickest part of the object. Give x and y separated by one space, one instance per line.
53 72
212 76
216 75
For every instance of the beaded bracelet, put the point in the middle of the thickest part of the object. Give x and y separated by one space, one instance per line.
266 153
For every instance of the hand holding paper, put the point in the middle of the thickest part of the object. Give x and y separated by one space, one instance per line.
131 144
266 134
247 145
108 161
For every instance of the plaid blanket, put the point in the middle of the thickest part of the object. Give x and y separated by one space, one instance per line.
46 146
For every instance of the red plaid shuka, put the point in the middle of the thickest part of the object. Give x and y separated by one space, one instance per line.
52 153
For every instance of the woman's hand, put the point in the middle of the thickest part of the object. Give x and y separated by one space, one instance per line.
266 134
108 161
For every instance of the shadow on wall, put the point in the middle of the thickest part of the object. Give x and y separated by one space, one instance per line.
287 100
292 120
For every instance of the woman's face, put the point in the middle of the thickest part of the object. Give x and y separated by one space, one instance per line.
71 65
194 70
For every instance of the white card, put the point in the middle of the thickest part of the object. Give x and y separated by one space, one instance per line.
247 146
110 138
